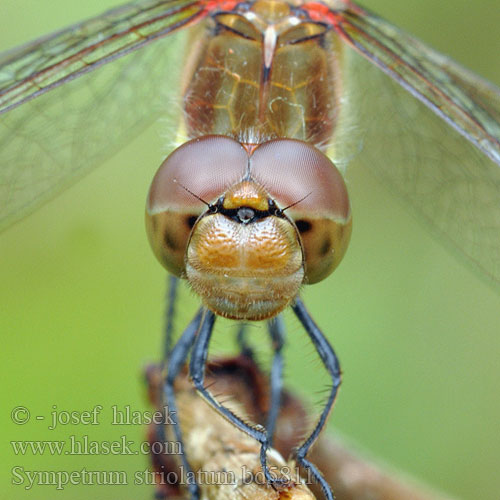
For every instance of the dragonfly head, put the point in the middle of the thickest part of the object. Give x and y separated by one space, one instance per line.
248 229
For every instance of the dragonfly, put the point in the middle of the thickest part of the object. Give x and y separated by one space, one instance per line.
88 74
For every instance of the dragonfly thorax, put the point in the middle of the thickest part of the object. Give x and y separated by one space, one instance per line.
263 72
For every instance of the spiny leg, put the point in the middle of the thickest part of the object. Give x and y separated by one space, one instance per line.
197 364
241 340
171 299
331 363
276 330
176 361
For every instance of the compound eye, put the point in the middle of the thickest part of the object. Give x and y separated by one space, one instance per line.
199 171
299 176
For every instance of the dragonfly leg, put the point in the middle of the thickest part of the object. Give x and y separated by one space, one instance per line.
197 371
331 363
173 283
277 334
176 361
276 329
241 340
170 300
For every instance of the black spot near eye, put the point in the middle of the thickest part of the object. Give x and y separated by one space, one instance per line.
191 221
325 247
170 241
303 225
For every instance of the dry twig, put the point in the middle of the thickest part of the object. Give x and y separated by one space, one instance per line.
226 461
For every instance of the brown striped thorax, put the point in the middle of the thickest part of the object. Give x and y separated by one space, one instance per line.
263 72
250 208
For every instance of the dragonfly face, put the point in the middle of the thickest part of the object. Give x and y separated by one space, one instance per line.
386 144
262 235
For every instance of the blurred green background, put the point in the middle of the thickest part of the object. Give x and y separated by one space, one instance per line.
81 304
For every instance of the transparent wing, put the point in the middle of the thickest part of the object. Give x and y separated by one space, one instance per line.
51 134
465 101
32 69
438 150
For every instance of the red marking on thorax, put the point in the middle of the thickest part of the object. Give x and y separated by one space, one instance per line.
211 5
250 147
319 12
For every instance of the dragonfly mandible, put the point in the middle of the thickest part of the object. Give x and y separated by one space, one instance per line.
456 104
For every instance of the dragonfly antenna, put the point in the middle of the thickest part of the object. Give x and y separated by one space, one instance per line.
193 194
297 202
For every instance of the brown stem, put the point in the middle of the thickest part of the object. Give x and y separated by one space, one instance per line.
226 461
